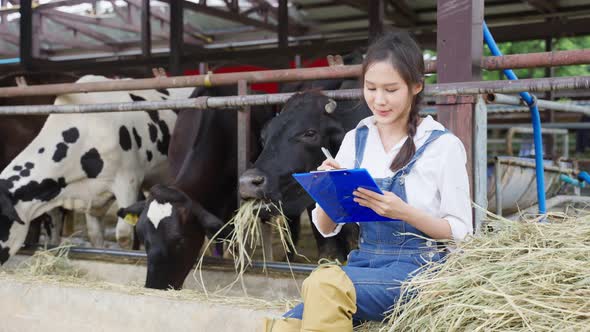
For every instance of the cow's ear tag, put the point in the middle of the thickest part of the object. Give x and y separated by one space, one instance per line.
131 219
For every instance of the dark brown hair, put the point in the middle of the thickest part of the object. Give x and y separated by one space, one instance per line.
404 54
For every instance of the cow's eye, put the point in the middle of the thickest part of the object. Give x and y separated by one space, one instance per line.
310 133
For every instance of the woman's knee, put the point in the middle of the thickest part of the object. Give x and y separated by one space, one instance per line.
328 278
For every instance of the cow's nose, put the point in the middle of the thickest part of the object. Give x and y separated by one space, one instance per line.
252 184
257 180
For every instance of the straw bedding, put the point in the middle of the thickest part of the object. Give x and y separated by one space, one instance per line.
517 276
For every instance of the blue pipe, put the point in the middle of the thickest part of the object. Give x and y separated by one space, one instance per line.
536 118
9 61
572 181
584 176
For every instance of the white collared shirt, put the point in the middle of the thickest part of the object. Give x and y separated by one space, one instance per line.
437 184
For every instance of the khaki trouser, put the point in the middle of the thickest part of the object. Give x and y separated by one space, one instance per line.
329 302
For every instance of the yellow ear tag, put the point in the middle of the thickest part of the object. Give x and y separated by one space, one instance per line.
131 219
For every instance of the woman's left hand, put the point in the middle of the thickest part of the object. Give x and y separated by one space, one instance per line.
387 205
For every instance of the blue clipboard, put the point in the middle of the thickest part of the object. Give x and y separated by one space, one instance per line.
332 190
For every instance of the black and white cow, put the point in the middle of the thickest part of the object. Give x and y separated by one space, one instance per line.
84 162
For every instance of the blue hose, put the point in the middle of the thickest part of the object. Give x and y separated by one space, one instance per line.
9 61
536 118
584 176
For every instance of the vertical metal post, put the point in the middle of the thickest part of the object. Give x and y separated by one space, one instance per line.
498 174
459 47
243 144
3 4
243 131
203 68
283 33
480 155
566 144
146 29
376 11
26 34
36 36
176 36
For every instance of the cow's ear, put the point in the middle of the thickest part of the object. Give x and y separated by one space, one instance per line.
330 106
7 207
131 213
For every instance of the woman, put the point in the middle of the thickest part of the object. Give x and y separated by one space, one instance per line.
419 166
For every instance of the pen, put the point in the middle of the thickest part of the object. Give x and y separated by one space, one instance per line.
327 153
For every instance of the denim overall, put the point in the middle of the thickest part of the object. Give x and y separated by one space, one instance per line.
389 252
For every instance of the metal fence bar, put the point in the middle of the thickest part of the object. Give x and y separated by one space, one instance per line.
559 58
566 125
531 85
461 88
529 130
498 98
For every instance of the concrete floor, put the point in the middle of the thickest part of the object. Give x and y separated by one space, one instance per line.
33 304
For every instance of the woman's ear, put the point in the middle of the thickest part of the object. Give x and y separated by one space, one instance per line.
417 88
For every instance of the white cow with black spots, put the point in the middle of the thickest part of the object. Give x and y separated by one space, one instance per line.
85 161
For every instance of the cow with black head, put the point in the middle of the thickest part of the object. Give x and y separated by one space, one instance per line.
292 143
172 228
203 162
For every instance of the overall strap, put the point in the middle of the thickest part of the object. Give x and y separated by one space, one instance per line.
360 141
433 136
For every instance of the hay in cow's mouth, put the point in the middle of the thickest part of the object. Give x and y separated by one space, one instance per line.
246 236
517 276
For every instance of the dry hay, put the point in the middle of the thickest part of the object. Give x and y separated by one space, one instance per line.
51 262
246 236
518 276
53 267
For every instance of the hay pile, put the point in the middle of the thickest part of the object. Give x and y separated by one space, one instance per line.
51 262
246 236
523 276
53 267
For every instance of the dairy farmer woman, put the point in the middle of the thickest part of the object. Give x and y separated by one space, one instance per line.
420 167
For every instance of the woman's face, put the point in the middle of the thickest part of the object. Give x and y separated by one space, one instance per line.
387 94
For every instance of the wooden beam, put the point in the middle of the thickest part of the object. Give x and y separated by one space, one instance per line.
55 4
543 6
295 28
54 38
226 15
124 16
319 5
83 29
191 32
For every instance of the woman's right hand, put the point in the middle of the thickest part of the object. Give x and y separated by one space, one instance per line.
329 164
